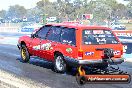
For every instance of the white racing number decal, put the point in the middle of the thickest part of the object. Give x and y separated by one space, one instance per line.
98 32
101 40
36 47
124 34
87 32
46 46
66 41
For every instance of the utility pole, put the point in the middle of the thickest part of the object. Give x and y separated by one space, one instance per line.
44 15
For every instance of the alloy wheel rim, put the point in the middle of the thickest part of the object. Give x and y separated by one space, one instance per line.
59 63
23 53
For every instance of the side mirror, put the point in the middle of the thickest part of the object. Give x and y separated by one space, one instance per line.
32 35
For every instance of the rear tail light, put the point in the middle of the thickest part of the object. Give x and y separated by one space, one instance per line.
102 54
121 52
80 54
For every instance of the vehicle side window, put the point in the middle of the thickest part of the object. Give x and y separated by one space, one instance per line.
42 32
54 34
68 36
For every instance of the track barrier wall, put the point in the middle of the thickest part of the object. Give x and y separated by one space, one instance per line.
9 29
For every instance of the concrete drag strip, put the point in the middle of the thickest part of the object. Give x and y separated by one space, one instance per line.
11 81
9 40
128 59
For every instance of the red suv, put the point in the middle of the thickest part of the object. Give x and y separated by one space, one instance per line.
69 45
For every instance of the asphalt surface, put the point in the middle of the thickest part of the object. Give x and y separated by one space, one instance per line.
41 71
11 34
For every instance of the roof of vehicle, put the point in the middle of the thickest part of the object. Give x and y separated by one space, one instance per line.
78 26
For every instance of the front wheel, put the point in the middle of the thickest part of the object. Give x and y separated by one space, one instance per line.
59 64
24 53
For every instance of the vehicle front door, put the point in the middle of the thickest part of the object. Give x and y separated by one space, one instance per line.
51 42
36 41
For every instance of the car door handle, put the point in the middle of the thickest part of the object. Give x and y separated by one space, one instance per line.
54 44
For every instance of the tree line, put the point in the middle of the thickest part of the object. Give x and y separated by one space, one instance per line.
72 10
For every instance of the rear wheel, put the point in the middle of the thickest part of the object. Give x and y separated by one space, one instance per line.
24 53
69 68
59 64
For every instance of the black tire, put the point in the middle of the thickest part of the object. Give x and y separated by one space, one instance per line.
25 56
103 66
69 68
59 64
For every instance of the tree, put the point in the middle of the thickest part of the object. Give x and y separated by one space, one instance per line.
121 11
129 9
2 13
47 7
17 11
105 9
72 9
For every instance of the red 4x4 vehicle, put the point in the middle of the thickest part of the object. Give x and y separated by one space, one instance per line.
72 45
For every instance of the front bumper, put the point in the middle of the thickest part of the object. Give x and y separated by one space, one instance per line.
76 62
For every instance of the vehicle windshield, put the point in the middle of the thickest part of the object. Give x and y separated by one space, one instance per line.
98 37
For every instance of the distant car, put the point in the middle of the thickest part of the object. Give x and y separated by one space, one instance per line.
16 20
72 45
117 26
2 20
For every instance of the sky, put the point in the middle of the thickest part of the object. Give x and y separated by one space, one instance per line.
4 4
